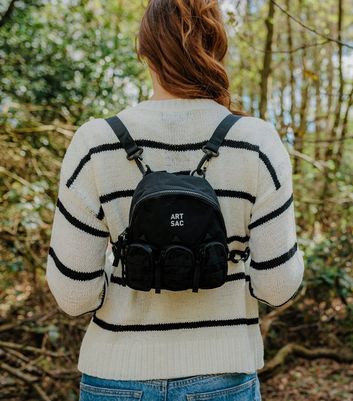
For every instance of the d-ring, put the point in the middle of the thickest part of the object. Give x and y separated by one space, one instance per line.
202 172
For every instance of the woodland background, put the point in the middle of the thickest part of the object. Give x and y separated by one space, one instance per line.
63 62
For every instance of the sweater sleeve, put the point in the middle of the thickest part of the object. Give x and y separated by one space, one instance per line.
77 257
277 266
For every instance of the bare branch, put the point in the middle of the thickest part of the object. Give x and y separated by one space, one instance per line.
303 47
311 29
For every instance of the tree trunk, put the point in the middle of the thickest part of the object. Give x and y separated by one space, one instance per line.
291 67
339 155
318 106
266 68
334 131
301 128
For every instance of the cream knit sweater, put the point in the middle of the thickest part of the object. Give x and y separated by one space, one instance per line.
136 335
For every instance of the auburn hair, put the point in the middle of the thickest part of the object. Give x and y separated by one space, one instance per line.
185 43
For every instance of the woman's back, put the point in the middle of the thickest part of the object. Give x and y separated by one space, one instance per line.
143 335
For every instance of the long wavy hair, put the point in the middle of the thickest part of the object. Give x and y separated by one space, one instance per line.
185 43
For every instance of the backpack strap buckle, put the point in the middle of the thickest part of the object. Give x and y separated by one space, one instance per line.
199 169
212 145
135 154
210 152
143 167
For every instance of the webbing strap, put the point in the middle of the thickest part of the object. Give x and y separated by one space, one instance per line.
124 136
157 271
220 132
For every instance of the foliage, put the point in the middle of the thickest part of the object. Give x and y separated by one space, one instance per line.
64 62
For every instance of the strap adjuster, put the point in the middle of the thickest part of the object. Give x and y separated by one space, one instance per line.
135 155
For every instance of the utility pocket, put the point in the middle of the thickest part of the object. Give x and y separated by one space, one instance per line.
177 264
214 265
139 266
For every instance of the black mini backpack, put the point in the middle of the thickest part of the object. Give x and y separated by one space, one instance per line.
176 238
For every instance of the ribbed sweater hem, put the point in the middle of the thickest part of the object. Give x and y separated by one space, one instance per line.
229 350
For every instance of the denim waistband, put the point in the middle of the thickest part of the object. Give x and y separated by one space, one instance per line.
172 382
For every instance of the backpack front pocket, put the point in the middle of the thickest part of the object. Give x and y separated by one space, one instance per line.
139 266
177 267
214 265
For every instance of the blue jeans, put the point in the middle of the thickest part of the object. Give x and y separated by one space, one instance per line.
210 387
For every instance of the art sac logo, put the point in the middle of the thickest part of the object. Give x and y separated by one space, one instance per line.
176 219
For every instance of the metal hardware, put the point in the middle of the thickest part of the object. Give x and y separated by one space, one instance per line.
199 172
246 253
143 167
243 255
122 236
135 155
204 161
209 151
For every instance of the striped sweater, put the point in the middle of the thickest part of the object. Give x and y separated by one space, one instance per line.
137 335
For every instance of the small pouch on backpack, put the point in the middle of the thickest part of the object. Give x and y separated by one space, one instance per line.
214 265
177 267
139 266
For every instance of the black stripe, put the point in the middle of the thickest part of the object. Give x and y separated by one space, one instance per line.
238 238
232 143
229 143
97 149
174 326
270 168
236 276
269 264
100 214
73 274
148 143
272 214
116 194
77 170
77 223
235 194
219 192
230 277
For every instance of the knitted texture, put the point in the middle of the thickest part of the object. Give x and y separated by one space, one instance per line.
137 335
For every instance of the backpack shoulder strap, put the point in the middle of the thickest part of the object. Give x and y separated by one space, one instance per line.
120 130
132 150
212 145
220 133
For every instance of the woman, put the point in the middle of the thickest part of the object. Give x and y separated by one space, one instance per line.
183 345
